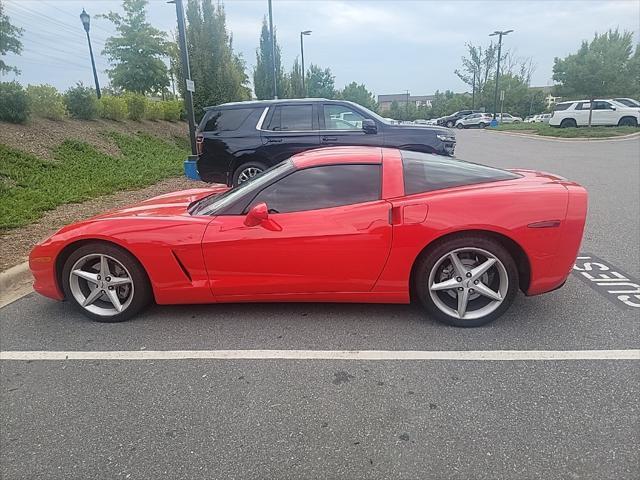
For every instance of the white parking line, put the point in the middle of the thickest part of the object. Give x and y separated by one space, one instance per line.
474 355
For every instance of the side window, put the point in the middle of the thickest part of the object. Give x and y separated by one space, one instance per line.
425 172
292 118
583 106
340 117
563 106
601 106
322 187
225 120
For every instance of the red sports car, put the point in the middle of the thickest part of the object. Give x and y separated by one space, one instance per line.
346 224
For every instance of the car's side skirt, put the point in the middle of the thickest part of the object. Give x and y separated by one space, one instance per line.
322 297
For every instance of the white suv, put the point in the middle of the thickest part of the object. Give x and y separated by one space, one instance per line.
605 112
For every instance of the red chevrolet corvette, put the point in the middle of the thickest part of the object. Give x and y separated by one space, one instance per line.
347 224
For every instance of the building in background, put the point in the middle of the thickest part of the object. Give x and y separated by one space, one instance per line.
385 101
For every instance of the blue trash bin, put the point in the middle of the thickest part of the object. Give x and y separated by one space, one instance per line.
191 169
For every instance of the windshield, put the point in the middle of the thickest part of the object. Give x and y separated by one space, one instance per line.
371 114
213 203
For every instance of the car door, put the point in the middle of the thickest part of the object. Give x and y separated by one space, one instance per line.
327 230
289 129
604 113
342 125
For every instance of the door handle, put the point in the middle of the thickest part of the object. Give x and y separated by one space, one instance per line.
329 139
274 140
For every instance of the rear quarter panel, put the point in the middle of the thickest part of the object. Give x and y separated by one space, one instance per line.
505 208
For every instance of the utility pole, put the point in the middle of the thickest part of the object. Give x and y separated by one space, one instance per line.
273 53
473 91
186 73
495 96
302 34
407 106
86 20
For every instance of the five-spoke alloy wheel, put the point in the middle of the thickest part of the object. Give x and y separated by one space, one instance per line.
467 282
107 283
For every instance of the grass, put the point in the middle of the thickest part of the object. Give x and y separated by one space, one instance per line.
581 132
29 185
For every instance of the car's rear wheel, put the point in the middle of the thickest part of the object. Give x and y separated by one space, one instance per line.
628 122
568 123
468 281
105 282
450 124
247 171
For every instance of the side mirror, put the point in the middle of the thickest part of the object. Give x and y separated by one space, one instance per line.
258 214
369 126
613 107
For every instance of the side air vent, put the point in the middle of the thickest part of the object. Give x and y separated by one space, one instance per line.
181 265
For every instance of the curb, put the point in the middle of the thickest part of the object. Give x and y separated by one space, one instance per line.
556 139
15 283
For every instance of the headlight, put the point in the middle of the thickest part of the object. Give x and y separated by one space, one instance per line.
446 138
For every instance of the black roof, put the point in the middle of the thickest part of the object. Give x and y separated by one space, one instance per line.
266 103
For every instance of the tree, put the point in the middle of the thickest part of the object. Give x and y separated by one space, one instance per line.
218 73
9 41
479 65
137 51
603 67
519 99
360 95
293 81
263 72
320 83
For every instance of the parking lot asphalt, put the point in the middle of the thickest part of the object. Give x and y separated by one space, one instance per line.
346 418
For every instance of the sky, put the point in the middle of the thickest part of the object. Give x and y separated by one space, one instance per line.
390 46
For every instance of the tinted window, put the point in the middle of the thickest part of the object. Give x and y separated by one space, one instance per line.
226 120
561 106
339 117
601 106
424 173
292 118
322 187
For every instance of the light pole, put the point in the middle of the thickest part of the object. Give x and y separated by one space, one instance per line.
186 73
86 21
495 96
302 34
273 54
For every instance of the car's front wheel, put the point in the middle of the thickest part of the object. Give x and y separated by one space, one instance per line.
628 122
105 282
482 125
459 125
450 124
468 281
247 171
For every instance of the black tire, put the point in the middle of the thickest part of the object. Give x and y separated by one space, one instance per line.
568 123
628 122
459 126
449 124
482 125
243 168
141 291
428 260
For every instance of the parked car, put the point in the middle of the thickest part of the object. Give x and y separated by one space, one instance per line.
628 102
479 120
450 120
345 224
237 141
605 112
508 118
540 118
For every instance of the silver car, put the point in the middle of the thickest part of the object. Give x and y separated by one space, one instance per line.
479 120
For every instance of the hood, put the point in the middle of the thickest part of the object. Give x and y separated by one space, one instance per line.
169 204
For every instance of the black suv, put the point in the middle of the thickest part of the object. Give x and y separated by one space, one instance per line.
450 120
236 141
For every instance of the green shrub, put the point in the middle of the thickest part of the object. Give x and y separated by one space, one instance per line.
172 110
14 103
82 102
113 108
136 106
155 110
46 102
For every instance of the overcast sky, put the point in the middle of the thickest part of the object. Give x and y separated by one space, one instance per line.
391 46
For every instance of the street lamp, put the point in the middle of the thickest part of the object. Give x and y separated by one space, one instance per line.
86 20
495 97
302 34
